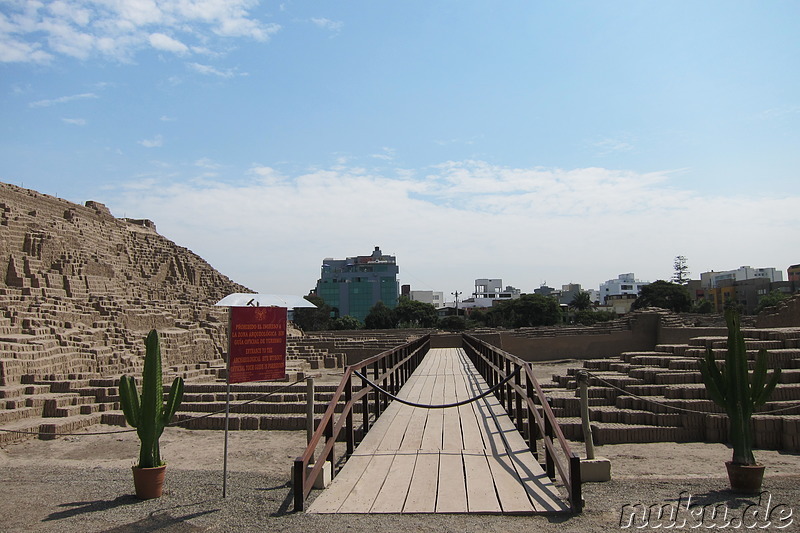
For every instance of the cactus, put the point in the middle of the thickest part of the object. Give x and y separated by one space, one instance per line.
737 391
150 414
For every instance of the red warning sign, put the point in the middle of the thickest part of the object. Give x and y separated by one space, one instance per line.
257 346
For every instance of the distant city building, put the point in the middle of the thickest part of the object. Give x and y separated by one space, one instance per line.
712 280
493 288
620 303
745 286
434 298
544 290
489 292
624 284
794 273
568 292
354 285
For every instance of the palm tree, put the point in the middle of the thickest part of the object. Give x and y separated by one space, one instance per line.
581 301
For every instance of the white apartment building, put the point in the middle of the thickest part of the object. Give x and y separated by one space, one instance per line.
435 298
624 284
488 291
711 280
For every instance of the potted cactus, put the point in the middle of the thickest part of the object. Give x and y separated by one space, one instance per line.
149 415
739 392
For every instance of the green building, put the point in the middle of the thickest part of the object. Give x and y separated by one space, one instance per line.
352 286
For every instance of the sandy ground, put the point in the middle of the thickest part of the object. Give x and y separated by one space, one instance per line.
83 483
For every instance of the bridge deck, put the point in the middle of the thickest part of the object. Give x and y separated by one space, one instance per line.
466 459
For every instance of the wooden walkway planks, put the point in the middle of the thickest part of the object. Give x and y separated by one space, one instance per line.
468 459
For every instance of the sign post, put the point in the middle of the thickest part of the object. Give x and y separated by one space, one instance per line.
256 352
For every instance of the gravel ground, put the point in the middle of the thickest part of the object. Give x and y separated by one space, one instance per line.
83 483
71 499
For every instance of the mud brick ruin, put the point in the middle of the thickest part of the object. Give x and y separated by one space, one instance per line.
80 289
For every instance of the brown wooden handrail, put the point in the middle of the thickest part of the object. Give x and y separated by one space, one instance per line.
390 369
494 365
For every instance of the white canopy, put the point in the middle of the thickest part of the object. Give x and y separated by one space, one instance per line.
243 299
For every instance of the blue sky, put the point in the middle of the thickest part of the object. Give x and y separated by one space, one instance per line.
535 142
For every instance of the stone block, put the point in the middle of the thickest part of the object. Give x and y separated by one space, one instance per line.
597 469
325 476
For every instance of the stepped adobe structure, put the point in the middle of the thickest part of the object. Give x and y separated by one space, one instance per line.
80 289
657 395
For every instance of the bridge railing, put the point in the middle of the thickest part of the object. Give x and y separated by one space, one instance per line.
389 370
530 410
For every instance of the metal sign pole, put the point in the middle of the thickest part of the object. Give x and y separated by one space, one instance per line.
227 407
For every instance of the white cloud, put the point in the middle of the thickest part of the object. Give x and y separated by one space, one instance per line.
62 100
778 112
159 41
208 163
386 154
208 70
38 32
74 121
327 24
155 142
611 145
14 51
461 221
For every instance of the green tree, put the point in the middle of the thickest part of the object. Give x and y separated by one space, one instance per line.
345 322
665 295
311 319
412 314
380 317
682 274
581 301
702 306
526 311
769 300
478 317
453 323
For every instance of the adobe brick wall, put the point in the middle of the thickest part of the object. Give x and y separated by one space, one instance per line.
784 315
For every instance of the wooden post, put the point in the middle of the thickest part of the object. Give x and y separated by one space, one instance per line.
376 394
583 389
364 407
383 384
533 427
518 397
509 390
329 435
310 413
298 482
550 466
349 430
575 495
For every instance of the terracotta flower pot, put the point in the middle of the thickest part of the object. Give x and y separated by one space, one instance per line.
148 481
745 478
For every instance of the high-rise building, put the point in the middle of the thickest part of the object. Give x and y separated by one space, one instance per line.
354 285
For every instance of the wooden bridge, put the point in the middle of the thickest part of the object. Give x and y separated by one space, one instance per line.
464 459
